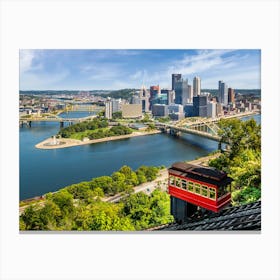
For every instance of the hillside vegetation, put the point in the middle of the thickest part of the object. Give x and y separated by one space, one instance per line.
243 160
79 206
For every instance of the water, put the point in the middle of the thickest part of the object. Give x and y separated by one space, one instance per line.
43 171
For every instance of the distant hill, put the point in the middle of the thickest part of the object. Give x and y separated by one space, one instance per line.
242 91
122 93
125 93
54 92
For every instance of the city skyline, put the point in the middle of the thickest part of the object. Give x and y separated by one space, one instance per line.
116 69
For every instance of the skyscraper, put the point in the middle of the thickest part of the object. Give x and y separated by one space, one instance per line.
200 106
175 78
181 91
170 95
231 95
144 96
108 108
196 86
190 93
223 93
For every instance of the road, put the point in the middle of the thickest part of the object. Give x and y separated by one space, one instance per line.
160 181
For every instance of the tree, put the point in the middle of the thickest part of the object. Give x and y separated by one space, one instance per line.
243 161
64 200
118 182
103 182
31 219
50 215
117 115
130 175
240 135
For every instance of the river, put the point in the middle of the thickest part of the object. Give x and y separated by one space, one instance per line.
43 171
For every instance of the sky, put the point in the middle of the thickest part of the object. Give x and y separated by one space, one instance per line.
112 69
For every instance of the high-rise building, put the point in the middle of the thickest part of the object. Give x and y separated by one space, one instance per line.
223 93
175 78
176 111
159 110
116 105
231 95
154 91
144 95
181 91
154 94
212 109
190 94
219 110
200 106
170 97
196 86
108 108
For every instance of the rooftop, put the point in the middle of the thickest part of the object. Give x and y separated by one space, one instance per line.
207 172
244 217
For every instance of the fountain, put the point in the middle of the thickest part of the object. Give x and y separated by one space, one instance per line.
54 142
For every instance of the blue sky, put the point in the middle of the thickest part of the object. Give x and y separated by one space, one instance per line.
117 69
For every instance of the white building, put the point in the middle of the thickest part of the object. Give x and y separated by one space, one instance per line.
176 111
116 105
108 108
211 109
196 86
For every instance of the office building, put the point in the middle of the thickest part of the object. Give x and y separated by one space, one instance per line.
231 95
211 109
116 105
223 93
196 86
170 95
159 110
135 99
190 94
200 106
108 108
154 94
144 96
219 110
176 111
188 109
181 91
154 91
175 78
132 110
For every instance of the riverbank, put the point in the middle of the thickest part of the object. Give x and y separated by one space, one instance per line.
148 187
67 142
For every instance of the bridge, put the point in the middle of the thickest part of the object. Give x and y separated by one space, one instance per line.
204 127
53 118
82 107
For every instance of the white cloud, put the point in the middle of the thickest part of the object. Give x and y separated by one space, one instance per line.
211 66
25 57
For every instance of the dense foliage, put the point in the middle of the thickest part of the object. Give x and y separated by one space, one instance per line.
242 161
122 93
95 129
117 115
79 206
